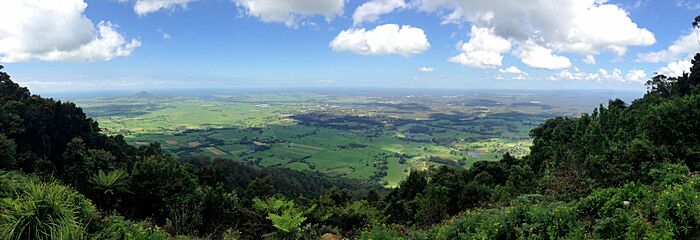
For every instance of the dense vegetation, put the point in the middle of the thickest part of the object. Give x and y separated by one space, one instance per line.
623 171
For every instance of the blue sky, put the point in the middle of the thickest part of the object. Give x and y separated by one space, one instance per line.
76 45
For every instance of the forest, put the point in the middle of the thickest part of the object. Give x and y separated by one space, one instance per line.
623 171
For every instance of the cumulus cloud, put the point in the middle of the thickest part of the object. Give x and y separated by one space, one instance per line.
684 47
537 56
521 77
290 12
575 74
614 75
636 75
589 59
511 69
57 30
144 7
676 68
583 27
371 11
384 39
484 49
425 69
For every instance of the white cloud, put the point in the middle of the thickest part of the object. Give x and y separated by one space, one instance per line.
425 69
676 68
684 47
575 75
537 56
371 10
511 69
521 77
633 75
57 30
144 7
636 75
384 39
483 49
325 81
589 59
689 4
290 12
584 27
615 75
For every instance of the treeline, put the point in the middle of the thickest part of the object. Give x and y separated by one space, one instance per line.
624 171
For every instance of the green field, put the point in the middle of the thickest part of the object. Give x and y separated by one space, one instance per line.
368 136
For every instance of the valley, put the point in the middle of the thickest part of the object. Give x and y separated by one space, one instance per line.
371 135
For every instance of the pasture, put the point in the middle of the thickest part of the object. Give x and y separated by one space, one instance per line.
367 136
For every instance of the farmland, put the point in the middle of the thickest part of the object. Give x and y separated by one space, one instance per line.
373 135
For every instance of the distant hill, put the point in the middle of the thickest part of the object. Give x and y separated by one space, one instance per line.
144 94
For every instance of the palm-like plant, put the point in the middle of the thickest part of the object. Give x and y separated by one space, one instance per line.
110 183
43 211
109 187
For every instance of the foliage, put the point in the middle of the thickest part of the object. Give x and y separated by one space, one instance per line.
117 228
155 181
44 211
282 212
7 152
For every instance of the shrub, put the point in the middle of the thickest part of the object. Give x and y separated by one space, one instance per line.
116 228
45 211
679 208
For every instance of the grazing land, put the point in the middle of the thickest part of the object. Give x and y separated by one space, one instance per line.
373 135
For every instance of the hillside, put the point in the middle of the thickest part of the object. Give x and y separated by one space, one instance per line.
624 171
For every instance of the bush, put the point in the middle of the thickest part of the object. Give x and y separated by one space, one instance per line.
381 232
679 208
116 228
44 211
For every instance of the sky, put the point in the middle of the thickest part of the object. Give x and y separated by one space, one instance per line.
78 45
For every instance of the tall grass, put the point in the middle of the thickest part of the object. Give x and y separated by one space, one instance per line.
43 211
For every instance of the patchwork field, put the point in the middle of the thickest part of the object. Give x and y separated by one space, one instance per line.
377 136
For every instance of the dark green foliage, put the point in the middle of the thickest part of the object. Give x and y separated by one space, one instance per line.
117 228
432 206
7 153
109 188
239 176
155 181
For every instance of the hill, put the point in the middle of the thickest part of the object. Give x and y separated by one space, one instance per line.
143 94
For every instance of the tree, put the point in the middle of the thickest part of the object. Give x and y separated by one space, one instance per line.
7 152
110 188
432 206
155 181
696 24
261 188
81 163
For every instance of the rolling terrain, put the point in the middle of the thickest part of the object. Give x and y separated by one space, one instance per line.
359 134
